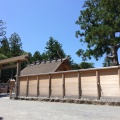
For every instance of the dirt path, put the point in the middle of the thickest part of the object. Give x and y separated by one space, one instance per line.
35 110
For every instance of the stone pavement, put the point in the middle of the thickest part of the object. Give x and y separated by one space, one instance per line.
38 110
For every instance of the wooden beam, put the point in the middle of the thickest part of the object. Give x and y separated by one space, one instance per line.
63 77
9 66
14 59
79 85
98 85
49 85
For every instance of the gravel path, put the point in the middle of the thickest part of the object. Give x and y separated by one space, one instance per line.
35 110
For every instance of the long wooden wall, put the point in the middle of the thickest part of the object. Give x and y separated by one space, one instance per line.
90 83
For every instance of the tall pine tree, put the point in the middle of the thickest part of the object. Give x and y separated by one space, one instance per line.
2 28
15 45
54 49
4 47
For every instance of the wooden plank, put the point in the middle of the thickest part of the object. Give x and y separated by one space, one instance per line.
109 82
79 85
44 86
88 84
23 84
63 77
9 66
0 71
27 86
14 59
119 77
98 85
37 86
56 85
71 85
49 85
33 86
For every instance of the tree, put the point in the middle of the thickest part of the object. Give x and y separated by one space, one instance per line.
15 45
2 56
85 65
37 56
99 23
30 58
107 62
2 29
4 47
44 56
75 66
54 49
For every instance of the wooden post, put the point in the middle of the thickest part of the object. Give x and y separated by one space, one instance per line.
37 86
0 71
12 84
119 76
63 86
17 78
79 86
49 85
98 85
27 86
0 75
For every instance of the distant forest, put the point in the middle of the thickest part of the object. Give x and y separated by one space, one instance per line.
12 47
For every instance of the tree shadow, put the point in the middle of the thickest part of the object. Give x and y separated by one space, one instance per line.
1 118
4 95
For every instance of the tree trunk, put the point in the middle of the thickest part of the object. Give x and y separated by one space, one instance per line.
114 55
114 51
115 58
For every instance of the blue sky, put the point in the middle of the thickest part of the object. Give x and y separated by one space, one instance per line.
37 20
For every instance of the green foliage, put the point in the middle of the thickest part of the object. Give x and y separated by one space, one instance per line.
85 65
107 62
37 56
8 49
2 28
44 56
15 45
54 49
30 60
75 66
99 22
4 47
2 56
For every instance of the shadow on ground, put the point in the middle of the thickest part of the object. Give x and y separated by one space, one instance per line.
1 118
4 95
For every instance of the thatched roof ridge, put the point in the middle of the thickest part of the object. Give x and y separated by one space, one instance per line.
43 67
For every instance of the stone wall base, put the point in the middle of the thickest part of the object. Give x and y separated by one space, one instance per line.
68 100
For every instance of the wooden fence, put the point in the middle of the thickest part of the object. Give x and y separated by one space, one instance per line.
95 83
4 87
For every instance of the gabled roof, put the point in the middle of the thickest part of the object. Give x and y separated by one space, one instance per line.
45 67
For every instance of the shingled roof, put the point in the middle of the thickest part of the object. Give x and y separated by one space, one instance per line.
46 67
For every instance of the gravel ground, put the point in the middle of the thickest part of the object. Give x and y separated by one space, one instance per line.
36 110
